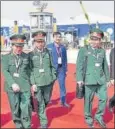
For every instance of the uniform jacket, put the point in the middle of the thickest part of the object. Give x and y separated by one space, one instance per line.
9 68
55 56
97 68
49 74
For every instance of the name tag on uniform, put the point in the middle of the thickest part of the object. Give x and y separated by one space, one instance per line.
59 60
16 74
97 64
89 53
41 70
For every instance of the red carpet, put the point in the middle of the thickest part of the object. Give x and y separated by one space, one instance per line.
59 117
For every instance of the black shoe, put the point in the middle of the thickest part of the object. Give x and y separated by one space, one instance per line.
101 123
89 122
90 125
65 105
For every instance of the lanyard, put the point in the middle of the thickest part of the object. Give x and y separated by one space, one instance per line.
41 60
96 54
58 51
17 63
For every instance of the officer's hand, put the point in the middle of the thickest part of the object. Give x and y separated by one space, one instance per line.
34 88
80 83
15 87
109 84
112 82
55 74
66 73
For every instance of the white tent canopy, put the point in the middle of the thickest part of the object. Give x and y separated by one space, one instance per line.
80 19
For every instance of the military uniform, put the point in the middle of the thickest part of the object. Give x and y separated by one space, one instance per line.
42 75
112 76
16 72
96 78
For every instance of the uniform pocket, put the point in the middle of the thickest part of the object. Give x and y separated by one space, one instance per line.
36 73
11 62
100 58
25 62
35 61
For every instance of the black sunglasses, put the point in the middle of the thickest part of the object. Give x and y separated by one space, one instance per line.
95 38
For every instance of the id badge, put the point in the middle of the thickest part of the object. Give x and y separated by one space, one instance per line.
59 60
41 70
97 64
89 53
16 74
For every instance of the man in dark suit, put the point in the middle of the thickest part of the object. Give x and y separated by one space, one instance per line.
59 56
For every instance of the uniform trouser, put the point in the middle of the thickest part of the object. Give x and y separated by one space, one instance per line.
101 91
61 79
43 96
21 108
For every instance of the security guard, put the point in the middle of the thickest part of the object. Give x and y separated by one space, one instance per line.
96 76
42 75
15 66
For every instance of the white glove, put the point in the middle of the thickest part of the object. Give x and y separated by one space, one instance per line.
15 87
34 88
80 83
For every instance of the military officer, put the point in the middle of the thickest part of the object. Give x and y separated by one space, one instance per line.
112 65
42 75
15 66
96 76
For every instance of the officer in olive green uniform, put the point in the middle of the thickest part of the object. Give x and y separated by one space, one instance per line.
15 66
96 77
42 75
